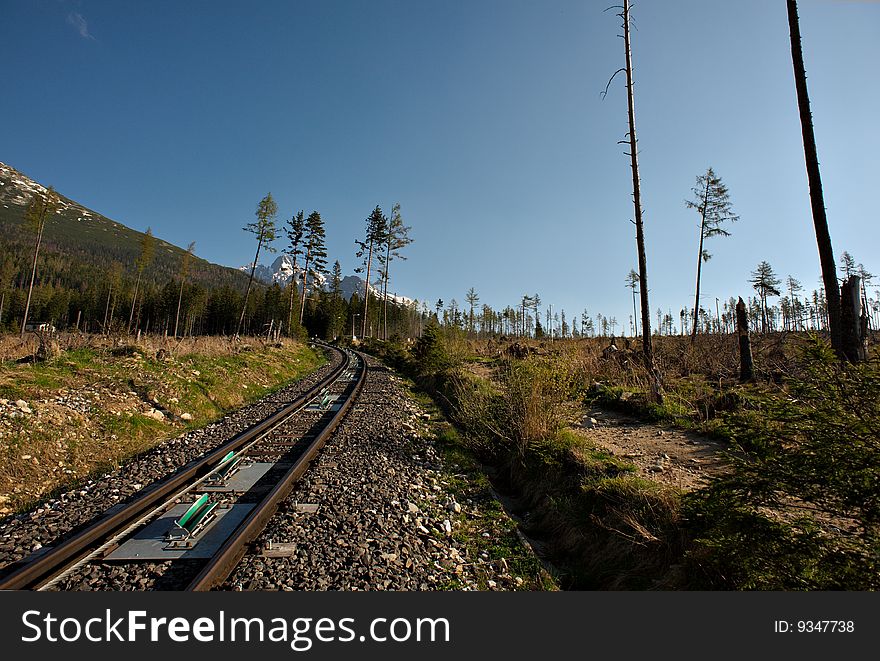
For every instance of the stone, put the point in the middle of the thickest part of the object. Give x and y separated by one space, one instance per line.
413 508
589 423
186 416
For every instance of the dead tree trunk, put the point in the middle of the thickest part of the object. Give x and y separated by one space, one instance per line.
637 204
746 367
852 321
817 200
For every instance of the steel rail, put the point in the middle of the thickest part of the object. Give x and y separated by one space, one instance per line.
231 552
53 562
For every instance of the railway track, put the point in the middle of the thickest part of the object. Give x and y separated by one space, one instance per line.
196 523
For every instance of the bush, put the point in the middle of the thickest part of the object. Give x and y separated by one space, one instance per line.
429 352
801 507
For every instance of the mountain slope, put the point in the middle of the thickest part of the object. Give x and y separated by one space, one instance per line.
93 240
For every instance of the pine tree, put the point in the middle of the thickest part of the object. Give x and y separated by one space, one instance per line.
377 227
148 250
848 264
337 303
766 283
713 204
396 239
632 281
294 229
536 303
472 298
264 229
794 288
316 255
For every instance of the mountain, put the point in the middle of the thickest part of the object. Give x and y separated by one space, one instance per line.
82 240
280 272
282 268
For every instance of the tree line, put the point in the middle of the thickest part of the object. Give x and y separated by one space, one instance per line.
67 287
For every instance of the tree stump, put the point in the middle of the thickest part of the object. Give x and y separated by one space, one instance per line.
853 321
746 366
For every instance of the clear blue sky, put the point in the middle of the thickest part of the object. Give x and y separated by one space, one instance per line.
483 118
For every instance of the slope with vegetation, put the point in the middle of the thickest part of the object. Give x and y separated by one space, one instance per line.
95 405
794 506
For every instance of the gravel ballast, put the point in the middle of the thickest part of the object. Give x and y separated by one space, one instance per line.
375 511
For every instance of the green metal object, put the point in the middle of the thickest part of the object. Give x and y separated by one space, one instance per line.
193 519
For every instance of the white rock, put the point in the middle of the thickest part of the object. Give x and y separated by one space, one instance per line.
186 416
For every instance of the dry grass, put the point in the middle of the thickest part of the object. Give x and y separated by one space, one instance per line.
13 347
91 405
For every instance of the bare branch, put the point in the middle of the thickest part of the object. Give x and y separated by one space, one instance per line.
610 80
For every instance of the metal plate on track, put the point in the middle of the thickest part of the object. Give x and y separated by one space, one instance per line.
150 543
243 479
330 404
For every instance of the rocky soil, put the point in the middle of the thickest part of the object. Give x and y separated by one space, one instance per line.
378 510
51 521
670 456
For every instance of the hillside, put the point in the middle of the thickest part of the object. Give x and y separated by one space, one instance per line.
93 241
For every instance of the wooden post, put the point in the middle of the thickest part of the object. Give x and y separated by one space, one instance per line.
746 367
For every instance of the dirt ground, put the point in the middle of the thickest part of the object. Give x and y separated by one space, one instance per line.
671 456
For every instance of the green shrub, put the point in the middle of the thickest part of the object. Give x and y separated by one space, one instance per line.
801 507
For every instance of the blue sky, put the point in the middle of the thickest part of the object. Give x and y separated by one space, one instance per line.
483 118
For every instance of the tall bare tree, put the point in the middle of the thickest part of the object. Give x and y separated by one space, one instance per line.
148 249
184 271
472 299
632 281
396 239
41 205
114 280
377 226
7 270
264 229
712 202
817 200
647 346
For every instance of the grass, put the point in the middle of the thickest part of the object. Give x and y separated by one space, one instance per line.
102 423
466 482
